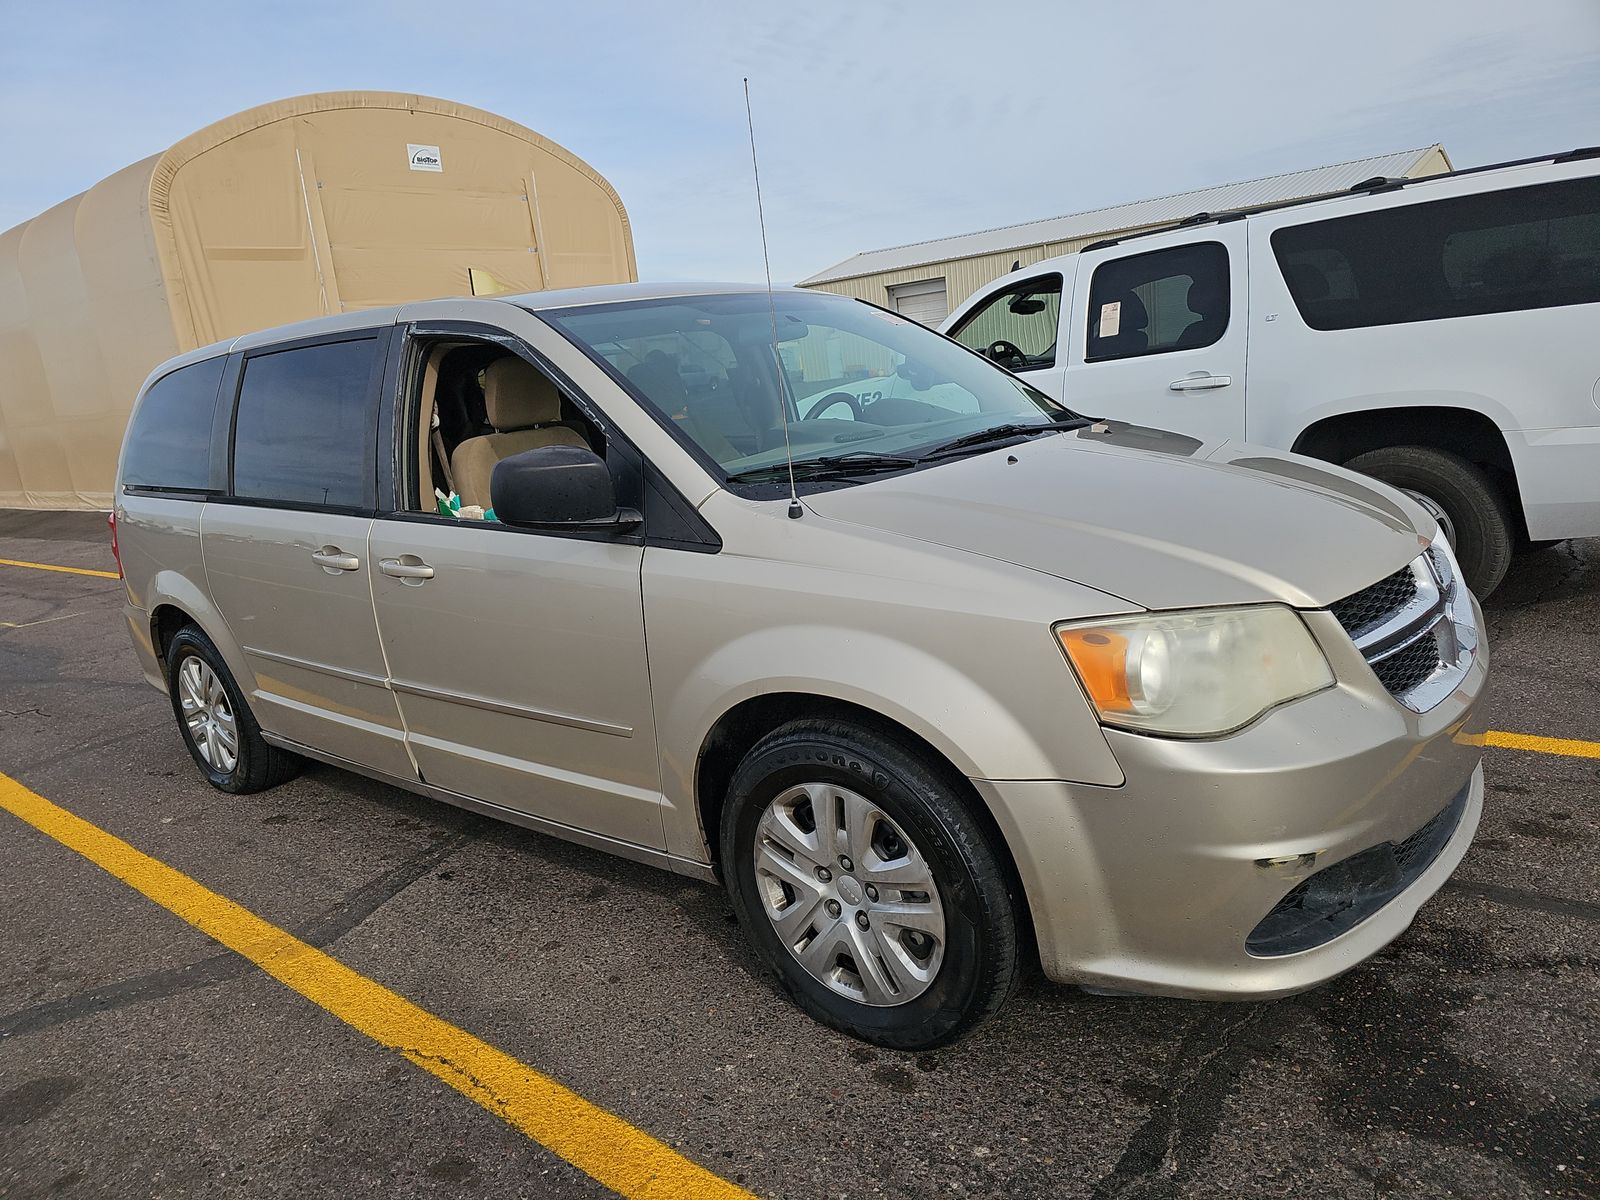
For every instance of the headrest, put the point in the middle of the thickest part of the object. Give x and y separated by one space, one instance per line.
1205 298
658 378
1306 281
516 394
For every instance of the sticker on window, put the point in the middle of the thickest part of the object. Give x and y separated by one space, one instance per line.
424 158
1110 319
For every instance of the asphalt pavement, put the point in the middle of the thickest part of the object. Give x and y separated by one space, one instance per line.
138 1057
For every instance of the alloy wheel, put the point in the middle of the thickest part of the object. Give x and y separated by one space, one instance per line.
849 894
1437 512
208 715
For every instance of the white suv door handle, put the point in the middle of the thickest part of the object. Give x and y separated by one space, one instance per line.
1199 382
400 569
331 558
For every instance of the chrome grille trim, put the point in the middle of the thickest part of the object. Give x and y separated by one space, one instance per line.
1406 623
1439 609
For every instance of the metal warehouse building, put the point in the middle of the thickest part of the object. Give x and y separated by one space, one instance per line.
925 280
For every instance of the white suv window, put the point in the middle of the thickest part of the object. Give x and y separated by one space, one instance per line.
1159 301
1503 251
1017 327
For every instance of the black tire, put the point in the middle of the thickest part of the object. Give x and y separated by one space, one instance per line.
1484 529
258 766
981 962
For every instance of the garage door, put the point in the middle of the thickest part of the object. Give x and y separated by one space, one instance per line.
922 301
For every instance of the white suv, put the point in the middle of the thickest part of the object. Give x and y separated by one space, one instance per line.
1439 334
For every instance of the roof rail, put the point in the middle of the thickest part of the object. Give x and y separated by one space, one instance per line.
1383 183
1377 185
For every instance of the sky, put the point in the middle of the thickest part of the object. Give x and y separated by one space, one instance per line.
877 123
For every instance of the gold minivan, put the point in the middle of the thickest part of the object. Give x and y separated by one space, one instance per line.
937 677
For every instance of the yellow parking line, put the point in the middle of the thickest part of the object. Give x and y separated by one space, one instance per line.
13 562
623 1158
1569 747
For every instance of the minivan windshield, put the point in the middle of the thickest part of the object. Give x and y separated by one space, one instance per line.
859 390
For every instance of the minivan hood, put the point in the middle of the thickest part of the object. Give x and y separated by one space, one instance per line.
1158 519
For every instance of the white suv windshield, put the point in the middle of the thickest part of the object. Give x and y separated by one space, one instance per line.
855 380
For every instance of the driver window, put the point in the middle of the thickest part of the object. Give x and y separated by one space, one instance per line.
470 405
1017 327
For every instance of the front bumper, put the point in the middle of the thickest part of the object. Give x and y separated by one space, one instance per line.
1157 885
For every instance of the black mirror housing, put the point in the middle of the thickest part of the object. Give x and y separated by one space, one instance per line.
556 488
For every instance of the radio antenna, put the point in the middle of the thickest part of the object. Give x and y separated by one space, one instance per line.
795 511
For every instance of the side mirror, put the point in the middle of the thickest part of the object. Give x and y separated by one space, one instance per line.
558 488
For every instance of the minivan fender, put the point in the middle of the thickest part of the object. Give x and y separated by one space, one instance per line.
172 589
957 715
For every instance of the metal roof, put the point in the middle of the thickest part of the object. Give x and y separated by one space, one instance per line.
1116 218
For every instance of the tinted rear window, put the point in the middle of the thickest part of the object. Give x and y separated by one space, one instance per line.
1506 251
304 430
169 442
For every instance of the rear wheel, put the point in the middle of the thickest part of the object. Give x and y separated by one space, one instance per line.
1468 505
218 727
868 887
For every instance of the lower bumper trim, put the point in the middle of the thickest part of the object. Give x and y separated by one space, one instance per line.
1338 898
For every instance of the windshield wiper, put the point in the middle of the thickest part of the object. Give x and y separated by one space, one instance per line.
852 462
1003 433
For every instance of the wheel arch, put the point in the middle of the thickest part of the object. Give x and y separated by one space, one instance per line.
736 732
1467 432
175 601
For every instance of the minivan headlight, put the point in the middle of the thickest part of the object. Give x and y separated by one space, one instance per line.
1194 674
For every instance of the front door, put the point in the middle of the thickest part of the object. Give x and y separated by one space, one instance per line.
286 554
518 660
1157 337
517 657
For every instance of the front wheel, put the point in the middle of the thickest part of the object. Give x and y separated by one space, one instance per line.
1469 507
868 887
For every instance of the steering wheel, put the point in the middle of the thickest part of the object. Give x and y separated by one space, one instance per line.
1006 354
831 400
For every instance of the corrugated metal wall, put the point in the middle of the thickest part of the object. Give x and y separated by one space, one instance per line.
963 276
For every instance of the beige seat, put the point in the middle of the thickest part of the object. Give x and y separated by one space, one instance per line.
523 405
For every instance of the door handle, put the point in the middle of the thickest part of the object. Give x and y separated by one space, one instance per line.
1199 382
414 571
331 559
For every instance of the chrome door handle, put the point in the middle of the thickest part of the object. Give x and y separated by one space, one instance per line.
399 568
1199 383
331 558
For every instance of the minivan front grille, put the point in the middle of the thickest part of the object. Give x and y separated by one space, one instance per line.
1402 671
1371 606
1414 628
